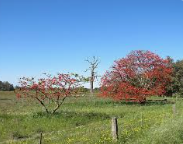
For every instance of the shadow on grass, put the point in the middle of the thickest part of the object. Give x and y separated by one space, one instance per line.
120 103
73 118
19 135
159 102
150 103
70 115
3 99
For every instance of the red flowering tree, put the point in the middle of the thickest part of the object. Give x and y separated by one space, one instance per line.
49 91
134 78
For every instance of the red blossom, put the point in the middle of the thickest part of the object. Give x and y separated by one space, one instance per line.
134 78
54 89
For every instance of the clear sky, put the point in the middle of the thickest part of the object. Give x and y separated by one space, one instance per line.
53 36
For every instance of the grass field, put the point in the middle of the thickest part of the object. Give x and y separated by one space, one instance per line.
88 120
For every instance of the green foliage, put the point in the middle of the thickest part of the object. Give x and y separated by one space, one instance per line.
176 85
6 86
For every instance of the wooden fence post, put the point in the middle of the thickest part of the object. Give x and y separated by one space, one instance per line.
114 129
141 120
174 110
41 137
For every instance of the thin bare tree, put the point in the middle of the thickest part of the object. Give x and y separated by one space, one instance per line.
92 68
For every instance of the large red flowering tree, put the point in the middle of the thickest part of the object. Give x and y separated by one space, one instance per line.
49 91
134 78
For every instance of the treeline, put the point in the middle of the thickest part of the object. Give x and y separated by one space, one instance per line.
6 86
176 85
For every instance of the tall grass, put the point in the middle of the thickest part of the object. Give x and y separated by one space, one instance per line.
88 120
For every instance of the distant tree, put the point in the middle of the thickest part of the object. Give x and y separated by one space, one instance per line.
83 89
6 86
54 89
177 79
17 87
178 72
1 85
96 89
92 68
134 78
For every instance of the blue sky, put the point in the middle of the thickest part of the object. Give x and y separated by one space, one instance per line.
53 36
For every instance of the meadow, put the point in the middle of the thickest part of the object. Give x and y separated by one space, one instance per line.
87 120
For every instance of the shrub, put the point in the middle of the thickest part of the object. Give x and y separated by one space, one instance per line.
50 91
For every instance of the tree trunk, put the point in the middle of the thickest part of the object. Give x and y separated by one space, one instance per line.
91 87
91 82
59 104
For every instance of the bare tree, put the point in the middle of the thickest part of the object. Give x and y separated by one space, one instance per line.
93 75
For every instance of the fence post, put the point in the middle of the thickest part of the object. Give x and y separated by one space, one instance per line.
114 129
41 137
141 122
174 109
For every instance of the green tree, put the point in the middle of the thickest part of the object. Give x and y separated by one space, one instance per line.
176 85
6 86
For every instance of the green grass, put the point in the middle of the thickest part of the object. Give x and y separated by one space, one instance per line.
88 120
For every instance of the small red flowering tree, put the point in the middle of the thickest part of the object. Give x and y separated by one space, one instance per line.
49 91
134 78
